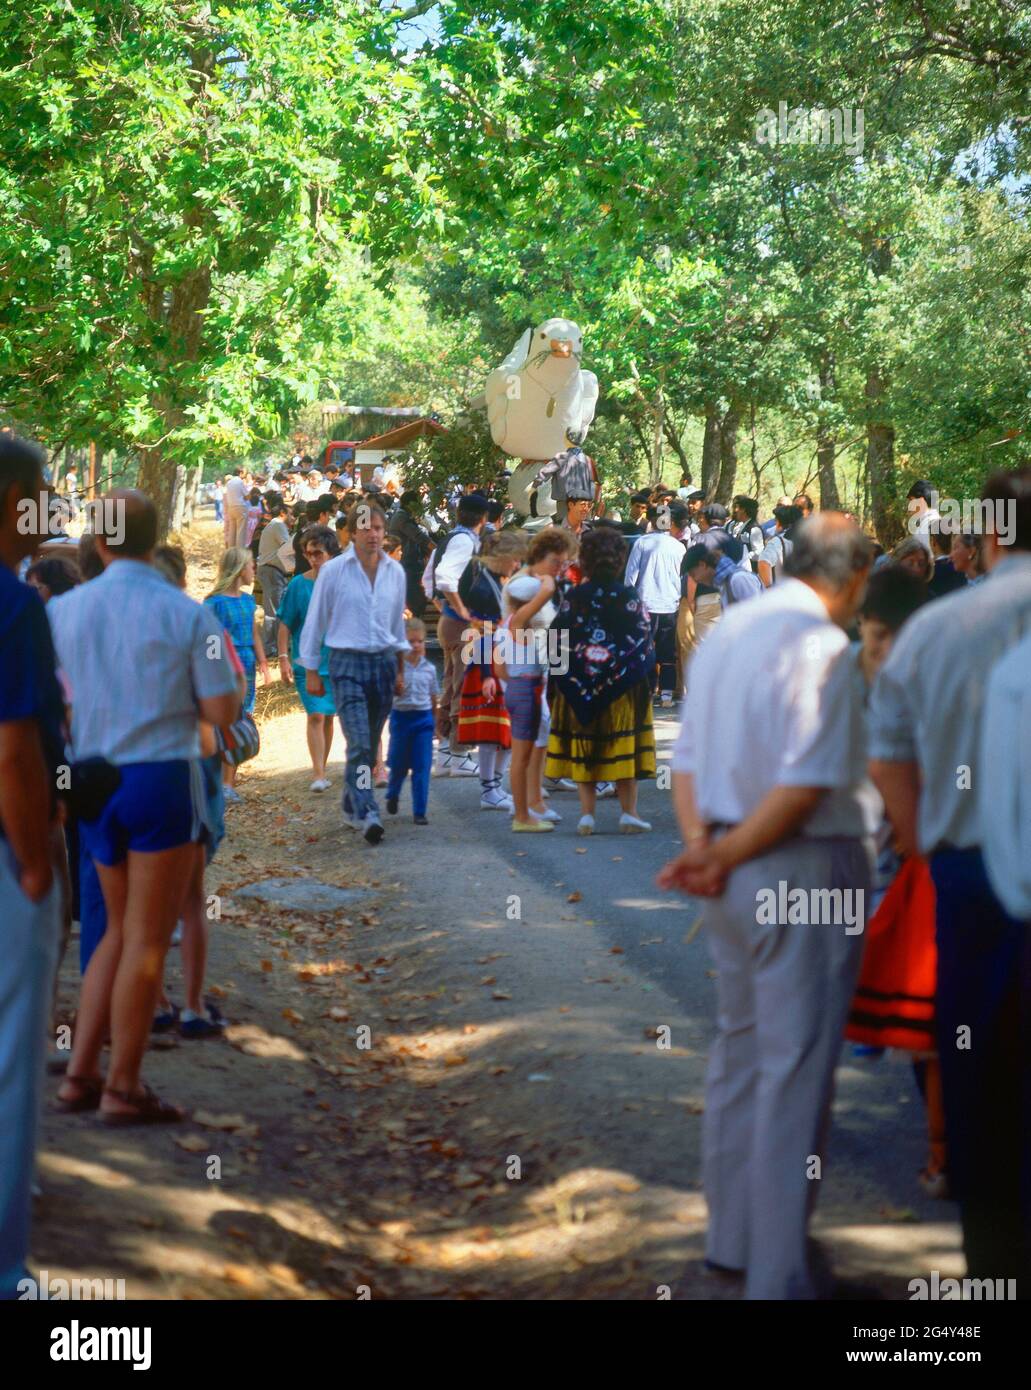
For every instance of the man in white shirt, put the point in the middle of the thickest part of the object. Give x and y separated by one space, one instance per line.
357 610
653 569
311 488
927 713
784 816
236 509
922 505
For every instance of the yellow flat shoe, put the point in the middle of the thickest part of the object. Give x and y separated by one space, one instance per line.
532 827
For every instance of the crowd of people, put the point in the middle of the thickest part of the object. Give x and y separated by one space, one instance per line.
852 722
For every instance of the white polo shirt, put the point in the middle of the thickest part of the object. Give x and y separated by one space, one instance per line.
922 528
653 569
236 492
772 703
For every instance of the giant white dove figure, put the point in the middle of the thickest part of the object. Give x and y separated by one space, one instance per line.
539 401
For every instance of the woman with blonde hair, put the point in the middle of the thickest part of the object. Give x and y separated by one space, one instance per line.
914 556
482 717
237 612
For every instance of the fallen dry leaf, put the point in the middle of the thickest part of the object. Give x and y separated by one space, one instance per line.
202 1117
192 1143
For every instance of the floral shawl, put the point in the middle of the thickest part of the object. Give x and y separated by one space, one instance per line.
610 646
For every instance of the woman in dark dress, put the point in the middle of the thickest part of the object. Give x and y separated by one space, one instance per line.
601 712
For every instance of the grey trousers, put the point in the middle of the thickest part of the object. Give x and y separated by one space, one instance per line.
783 998
27 963
273 582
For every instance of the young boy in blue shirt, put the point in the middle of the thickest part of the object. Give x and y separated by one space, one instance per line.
412 722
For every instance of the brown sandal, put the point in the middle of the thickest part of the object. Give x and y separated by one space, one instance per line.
149 1109
90 1088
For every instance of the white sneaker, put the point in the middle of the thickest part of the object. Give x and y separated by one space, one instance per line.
632 825
548 814
605 789
494 799
585 826
321 784
559 784
442 767
464 767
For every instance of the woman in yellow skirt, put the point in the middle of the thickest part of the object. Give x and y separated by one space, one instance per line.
601 710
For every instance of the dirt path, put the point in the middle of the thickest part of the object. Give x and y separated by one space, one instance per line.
457 1087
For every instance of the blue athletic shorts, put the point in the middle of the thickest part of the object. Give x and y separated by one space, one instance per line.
156 807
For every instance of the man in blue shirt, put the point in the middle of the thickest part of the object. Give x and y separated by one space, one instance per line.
31 713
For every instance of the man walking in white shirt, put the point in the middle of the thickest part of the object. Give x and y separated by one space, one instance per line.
922 505
236 509
357 610
783 823
653 569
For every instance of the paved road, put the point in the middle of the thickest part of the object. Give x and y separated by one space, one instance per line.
631 970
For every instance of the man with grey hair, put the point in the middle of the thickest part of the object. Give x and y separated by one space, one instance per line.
783 820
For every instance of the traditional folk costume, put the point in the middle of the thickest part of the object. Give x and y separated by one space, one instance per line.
482 721
601 712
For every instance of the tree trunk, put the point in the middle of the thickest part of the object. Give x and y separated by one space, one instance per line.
710 453
656 453
157 479
728 456
192 484
880 432
880 462
642 438
673 438
830 499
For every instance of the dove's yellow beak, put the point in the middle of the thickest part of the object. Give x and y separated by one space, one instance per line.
561 347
